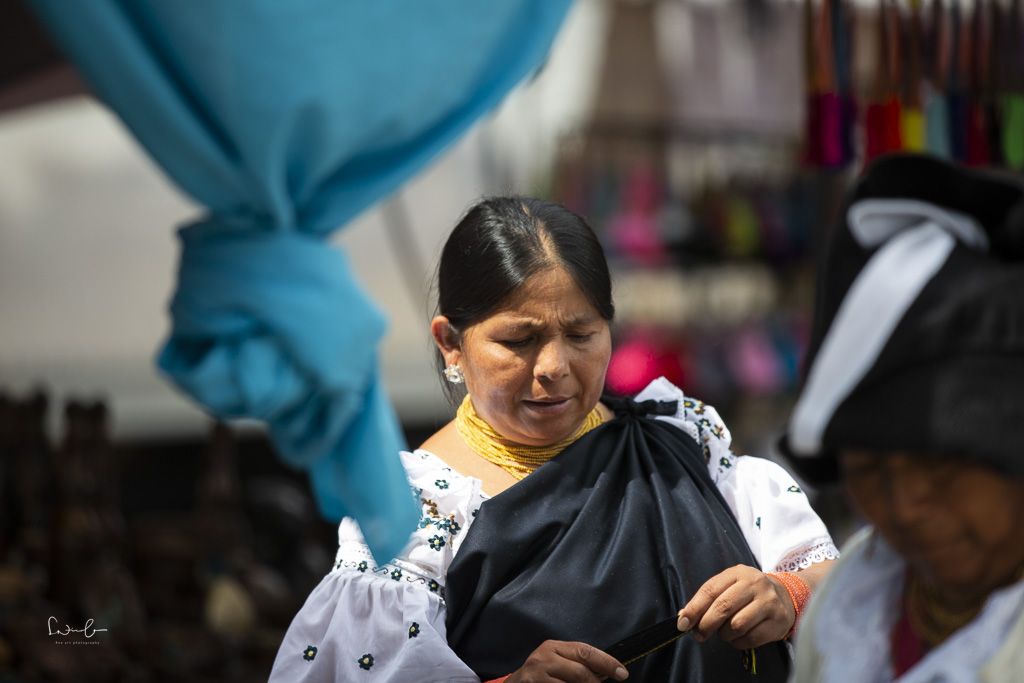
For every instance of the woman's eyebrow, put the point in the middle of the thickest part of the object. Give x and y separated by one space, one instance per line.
860 467
523 324
581 320
517 324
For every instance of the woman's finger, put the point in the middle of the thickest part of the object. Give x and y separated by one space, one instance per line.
694 611
744 621
568 671
596 661
768 631
730 602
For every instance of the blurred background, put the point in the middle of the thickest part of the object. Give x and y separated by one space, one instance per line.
709 144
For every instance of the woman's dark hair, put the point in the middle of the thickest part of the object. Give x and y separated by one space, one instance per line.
500 243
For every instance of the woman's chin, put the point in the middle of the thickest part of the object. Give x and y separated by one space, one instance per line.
953 578
548 433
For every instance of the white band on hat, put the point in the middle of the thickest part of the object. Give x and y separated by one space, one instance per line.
873 221
876 302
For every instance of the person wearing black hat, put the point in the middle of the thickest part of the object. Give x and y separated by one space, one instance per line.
913 398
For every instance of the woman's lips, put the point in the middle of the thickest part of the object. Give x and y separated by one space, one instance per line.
547 406
931 551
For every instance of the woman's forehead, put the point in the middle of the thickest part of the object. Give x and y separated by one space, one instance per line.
515 319
551 292
555 283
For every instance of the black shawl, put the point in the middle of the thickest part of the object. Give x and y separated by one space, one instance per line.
608 538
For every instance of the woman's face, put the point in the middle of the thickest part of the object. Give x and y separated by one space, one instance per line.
536 367
959 525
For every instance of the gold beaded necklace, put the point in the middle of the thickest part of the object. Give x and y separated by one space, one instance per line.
933 621
515 459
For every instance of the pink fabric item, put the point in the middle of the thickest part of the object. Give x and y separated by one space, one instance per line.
831 128
907 648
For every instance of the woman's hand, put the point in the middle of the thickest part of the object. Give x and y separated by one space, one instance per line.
556 660
744 606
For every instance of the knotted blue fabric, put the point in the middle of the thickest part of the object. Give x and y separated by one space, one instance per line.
287 119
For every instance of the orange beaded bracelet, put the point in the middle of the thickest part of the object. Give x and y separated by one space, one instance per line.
799 593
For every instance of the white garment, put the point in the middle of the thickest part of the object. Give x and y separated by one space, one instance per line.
845 634
386 623
359 617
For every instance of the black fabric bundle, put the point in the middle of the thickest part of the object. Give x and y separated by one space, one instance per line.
607 539
949 380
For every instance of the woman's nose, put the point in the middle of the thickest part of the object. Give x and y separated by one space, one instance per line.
552 362
911 490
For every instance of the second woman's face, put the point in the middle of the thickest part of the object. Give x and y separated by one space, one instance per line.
959 525
536 368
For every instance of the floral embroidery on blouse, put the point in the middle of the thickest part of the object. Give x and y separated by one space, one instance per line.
414 630
365 662
393 573
696 406
794 489
309 653
725 463
705 426
439 525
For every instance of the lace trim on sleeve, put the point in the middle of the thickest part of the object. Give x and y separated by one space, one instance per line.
804 557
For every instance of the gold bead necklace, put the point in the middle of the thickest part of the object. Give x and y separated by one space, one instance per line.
516 459
930 619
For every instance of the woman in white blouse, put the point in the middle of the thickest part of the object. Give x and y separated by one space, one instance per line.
645 511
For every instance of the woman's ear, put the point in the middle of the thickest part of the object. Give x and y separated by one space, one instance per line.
447 339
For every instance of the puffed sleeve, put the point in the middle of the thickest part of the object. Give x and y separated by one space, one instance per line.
781 528
386 623
357 626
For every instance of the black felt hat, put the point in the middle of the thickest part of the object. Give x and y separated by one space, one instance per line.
918 336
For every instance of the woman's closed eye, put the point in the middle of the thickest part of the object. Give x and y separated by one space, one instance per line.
518 343
860 467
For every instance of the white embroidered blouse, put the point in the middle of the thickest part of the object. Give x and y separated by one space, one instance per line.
387 622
